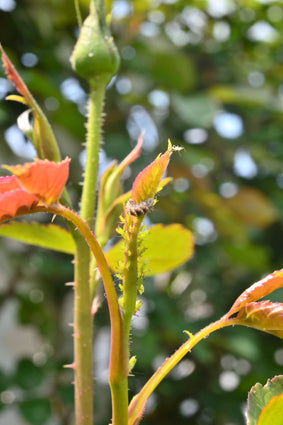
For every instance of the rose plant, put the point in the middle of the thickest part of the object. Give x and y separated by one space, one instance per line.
40 187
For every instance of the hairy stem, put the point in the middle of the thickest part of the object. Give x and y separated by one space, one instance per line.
130 277
118 368
137 404
83 333
82 336
95 106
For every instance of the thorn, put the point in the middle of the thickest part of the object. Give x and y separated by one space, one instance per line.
53 218
70 284
189 333
71 324
69 366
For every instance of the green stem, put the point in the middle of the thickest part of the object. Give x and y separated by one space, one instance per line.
82 296
130 277
118 368
78 13
82 335
137 404
96 99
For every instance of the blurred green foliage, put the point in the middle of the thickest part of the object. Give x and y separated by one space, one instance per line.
207 75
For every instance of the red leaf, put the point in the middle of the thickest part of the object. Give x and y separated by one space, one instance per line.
14 200
133 155
147 181
258 290
42 178
14 77
265 316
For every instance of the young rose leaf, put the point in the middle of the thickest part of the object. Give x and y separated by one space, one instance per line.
14 200
272 413
14 77
147 181
43 138
48 236
260 396
265 316
42 178
166 247
109 190
258 290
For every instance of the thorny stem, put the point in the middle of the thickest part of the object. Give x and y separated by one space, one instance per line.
118 368
83 332
130 277
82 335
137 404
96 99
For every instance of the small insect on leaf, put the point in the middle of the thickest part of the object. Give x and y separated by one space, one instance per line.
141 208
176 148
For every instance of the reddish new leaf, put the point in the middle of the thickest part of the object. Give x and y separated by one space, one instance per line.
147 181
133 155
40 133
258 290
44 179
265 316
14 200
14 77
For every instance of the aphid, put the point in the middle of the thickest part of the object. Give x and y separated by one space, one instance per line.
177 148
141 208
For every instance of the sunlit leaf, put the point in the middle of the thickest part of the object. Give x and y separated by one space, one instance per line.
48 236
272 413
148 180
14 199
110 189
166 247
259 397
44 179
15 78
258 290
265 316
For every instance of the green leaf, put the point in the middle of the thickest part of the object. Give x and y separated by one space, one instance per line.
48 236
167 247
272 413
260 396
36 411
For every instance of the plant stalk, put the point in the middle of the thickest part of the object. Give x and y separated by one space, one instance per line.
137 404
82 336
95 108
130 277
118 368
